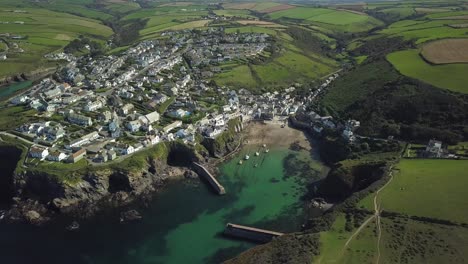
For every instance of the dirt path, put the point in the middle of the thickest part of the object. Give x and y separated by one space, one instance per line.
375 216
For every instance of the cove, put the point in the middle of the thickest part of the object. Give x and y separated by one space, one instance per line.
184 222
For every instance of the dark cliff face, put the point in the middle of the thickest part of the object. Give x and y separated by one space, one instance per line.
9 157
342 181
221 146
97 188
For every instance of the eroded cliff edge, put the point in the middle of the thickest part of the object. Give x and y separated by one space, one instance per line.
39 195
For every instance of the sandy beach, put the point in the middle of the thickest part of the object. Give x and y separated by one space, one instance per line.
272 134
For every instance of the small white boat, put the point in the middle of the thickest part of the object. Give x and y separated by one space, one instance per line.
240 162
264 145
256 165
267 150
256 153
247 157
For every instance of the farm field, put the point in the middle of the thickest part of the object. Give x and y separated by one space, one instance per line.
421 185
289 67
264 7
240 76
423 31
44 31
446 51
233 13
409 241
169 17
450 76
335 20
251 29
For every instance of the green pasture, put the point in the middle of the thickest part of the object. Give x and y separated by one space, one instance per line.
410 241
361 249
334 20
300 13
427 187
233 13
240 76
251 29
449 76
264 5
45 31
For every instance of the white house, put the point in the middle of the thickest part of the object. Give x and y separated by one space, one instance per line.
38 152
56 156
134 126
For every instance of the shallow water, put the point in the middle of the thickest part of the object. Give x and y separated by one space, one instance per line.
183 224
13 88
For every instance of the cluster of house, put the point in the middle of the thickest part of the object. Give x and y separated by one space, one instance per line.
60 56
120 104
213 47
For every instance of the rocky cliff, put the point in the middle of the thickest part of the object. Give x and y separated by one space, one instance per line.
226 142
39 196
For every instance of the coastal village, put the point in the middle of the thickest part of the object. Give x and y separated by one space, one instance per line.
105 109
109 108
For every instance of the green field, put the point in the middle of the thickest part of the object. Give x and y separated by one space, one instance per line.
45 31
360 250
335 20
450 76
289 67
424 30
429 188
233 13
251 29
300 13
168 18
409 241
292 65
238 76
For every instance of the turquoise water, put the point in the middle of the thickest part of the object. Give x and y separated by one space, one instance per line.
13 88
183 224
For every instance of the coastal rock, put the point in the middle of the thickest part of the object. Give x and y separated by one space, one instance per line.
189 174
94 188
131 215
32 216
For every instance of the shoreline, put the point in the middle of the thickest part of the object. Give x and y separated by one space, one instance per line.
257 133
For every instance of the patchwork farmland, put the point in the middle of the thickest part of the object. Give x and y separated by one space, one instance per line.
446 51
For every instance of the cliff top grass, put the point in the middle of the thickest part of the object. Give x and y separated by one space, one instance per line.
427 188
139 160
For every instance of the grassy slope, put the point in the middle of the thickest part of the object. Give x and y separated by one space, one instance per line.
168 17
409 241
349 89
47 31
293 65
450 76
335 20
429 188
